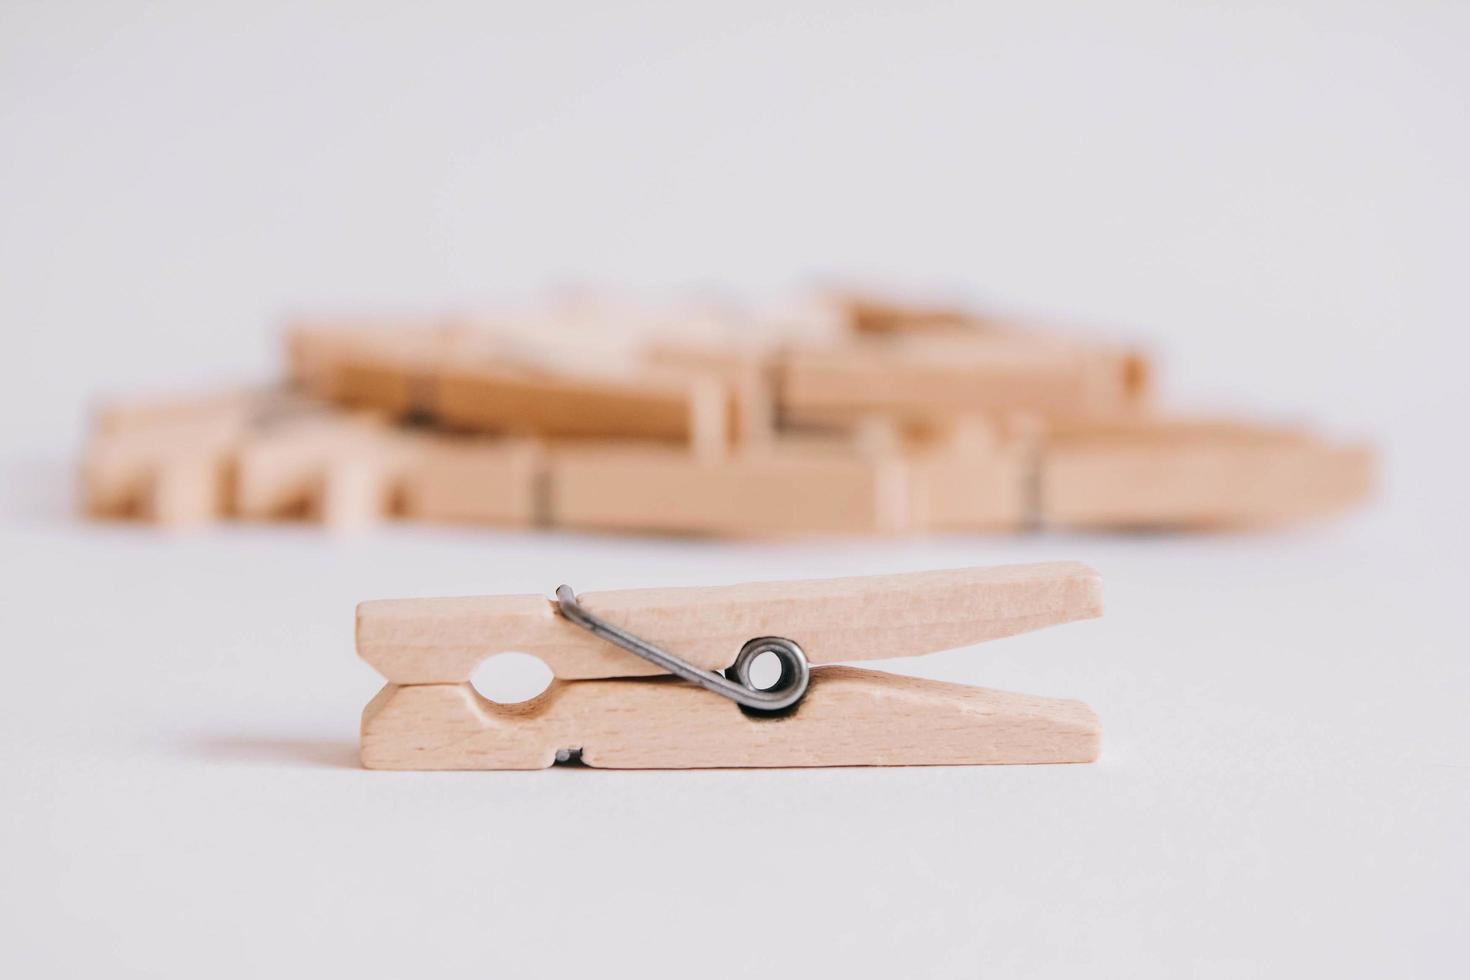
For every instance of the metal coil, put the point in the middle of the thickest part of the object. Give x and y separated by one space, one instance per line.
735 684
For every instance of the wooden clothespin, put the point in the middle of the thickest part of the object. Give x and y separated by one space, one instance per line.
605 709
470 380
788 487
267 455
935 378
1150 472
347 470
170 461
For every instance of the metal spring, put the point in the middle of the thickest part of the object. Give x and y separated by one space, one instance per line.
735 683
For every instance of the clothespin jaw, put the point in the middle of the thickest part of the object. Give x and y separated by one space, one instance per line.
605 708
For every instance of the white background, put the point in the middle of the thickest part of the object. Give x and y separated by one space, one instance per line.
1272 195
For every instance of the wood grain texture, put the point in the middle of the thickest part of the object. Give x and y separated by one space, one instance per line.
931 378
775 491
1153 474
442 640
850 717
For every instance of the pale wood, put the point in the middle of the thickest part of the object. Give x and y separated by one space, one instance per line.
485 481
655 407
430 717
170 460
174 485
931 378
186 491
905 418
975 490
746 372
781 490
319 352
266 455
398 385
400 375
710 425
228 408
850 717
1152 474
466 377
1116 374
166 461
875 315
342 470
442 640
158 466
879 436
354 492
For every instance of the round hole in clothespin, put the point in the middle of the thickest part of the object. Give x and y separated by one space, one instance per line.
765 670
510 678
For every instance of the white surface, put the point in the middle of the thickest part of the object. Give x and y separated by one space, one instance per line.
1284 786
1273 194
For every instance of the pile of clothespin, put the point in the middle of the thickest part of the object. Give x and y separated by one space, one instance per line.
869 417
